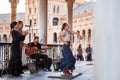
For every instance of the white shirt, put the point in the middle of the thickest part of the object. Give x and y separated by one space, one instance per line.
66 35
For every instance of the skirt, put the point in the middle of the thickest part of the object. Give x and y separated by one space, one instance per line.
68 60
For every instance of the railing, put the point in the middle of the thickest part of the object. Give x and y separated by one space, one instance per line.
4 56
54 52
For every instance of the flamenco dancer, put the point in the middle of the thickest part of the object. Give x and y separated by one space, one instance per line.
68 60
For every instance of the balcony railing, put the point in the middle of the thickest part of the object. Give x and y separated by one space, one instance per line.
4 55
54 52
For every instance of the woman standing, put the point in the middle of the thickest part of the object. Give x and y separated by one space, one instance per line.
68 61
15 63
79 37
80 52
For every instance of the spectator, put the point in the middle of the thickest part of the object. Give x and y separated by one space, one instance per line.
80 52
89 53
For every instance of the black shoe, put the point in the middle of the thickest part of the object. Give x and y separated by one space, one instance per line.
49 70
15 74
22 72
45 69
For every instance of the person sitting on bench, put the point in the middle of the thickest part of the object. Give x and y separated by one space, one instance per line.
36 53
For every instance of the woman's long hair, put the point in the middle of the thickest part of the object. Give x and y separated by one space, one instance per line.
80 46
63 26
12 25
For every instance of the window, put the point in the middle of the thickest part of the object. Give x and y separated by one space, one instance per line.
30 11
35 10
5 38
55 21
30 22
55 37
35 22
58 9
0 38
34 34
83 34
54 9
89 35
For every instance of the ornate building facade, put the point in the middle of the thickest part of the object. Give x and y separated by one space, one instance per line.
32 18
83 20
5 26
57 15
83 17
5 31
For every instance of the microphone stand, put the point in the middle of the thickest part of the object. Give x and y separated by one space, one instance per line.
29 32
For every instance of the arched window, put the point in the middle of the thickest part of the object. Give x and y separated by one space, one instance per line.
89 35
30 37
30 22
35 10
4 38
35 22
34 35
55 37
55 21
73 38
30 10
0 38
83 34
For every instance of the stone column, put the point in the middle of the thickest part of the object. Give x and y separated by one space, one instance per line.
107 40
13 9
70 15
43 20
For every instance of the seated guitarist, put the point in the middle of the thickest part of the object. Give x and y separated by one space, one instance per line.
36 53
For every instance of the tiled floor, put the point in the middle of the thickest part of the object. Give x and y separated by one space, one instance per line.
82 67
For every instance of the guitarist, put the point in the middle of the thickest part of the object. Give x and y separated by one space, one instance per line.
36 53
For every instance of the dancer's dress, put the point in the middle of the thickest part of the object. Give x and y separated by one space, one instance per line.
68 60
15 63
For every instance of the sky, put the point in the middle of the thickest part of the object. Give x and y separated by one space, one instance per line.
6 8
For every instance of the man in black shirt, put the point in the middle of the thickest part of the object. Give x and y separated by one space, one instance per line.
36 53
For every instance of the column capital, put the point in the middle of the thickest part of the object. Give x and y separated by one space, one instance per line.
70 1
14 2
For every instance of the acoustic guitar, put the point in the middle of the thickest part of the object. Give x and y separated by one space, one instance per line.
31 50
